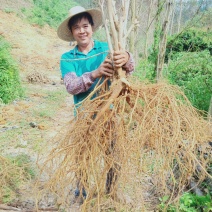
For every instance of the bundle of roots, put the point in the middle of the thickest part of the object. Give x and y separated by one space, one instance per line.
129 146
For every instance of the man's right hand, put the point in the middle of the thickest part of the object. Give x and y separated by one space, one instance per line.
105 69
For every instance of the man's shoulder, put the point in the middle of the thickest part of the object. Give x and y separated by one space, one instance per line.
68 55
101 44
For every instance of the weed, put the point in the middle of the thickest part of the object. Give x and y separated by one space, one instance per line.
189 202
10 85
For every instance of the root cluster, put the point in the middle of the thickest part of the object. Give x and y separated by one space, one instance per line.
128 147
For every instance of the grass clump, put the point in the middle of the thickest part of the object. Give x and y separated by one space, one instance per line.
14 172
10 84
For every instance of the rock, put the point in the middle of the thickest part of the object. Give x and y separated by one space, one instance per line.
23 143
33 124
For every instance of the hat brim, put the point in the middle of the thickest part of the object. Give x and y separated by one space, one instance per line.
65 34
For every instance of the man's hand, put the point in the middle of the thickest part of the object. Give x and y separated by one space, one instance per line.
105 69
120 58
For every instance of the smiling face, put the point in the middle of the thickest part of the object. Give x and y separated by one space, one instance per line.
82 32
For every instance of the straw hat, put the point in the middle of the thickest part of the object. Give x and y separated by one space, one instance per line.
63 31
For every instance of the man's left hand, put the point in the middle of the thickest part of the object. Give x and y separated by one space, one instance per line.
120 58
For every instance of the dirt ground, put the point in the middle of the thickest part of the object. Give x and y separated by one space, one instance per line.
14 5
47 105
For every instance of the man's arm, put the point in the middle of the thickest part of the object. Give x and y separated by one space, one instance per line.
129 67
75 85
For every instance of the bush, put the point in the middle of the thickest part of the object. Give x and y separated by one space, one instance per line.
189 203
145 70
10 85
189 41
192 71
51 12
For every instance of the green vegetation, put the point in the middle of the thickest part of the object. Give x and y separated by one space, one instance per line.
188 64
145 70
188 203
192 71
189 41
10 85
51 12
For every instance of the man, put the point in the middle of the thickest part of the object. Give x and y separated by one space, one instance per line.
84 65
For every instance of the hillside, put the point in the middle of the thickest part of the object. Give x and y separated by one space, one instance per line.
34 48
27 126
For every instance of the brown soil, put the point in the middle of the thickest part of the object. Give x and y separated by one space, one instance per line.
14 5
34 48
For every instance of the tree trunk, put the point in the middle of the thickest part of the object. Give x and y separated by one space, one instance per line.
163 42
132 37
180 15
147 32
172 19
210 111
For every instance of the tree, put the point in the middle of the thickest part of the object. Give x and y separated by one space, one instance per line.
163 40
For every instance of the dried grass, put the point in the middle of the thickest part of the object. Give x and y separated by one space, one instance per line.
37 77
12 176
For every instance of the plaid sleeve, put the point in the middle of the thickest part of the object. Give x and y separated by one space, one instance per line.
129 67
75 85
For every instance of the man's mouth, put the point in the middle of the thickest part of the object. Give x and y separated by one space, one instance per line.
83 37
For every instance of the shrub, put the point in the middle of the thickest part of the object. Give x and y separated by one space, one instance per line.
189 203
10 85
145 70
189 41
192 71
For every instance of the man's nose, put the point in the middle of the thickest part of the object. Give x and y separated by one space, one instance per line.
82 29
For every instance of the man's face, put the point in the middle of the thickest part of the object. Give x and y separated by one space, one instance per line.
82 32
